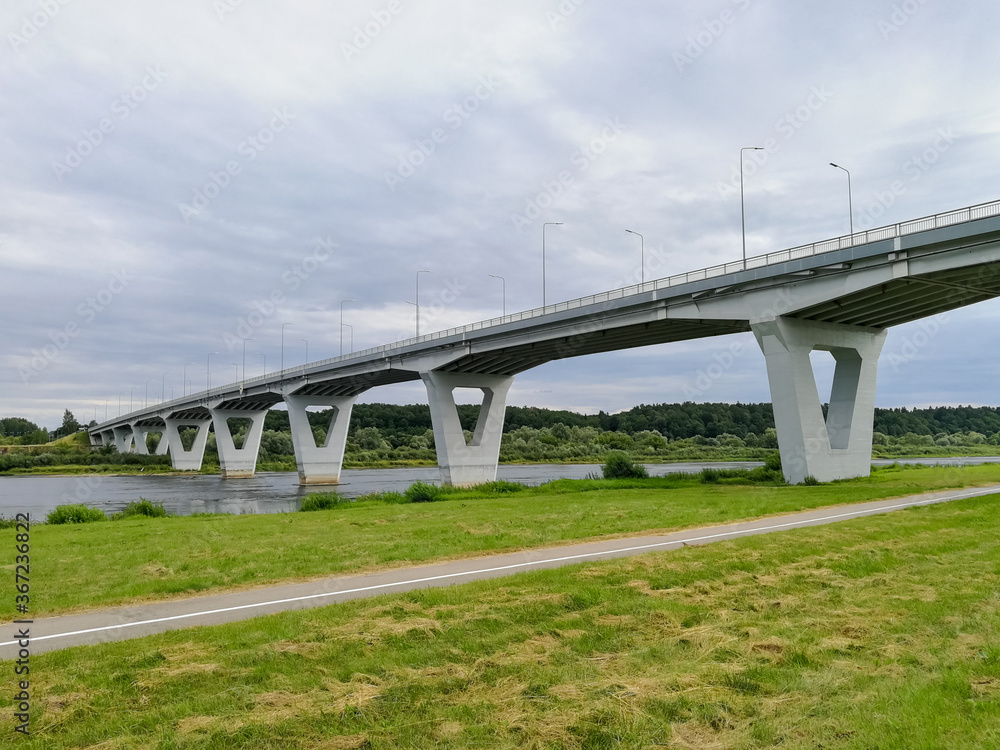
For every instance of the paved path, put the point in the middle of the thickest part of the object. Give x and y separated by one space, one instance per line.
122 623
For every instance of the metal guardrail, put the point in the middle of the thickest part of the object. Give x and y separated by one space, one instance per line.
971 213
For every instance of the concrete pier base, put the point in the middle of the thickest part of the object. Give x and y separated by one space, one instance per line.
474 462
238 463
181 459
123 439
840 446
319 464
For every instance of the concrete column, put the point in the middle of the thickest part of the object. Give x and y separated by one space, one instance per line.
186 460
238 463
123 439
319 464
164 444
475 462
840 446
96 440
140 439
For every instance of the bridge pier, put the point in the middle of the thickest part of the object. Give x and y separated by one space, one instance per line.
139 433
840 446
465 463
319 464
238 463
181 459
164 444
123 439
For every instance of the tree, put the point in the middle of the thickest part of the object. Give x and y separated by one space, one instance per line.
69 425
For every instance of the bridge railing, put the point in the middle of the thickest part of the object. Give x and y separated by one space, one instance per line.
972 213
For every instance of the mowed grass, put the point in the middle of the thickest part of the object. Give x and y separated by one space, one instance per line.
882 632
100 564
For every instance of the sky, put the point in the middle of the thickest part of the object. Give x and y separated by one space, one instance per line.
178 177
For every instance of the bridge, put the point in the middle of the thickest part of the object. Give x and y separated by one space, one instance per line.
840 295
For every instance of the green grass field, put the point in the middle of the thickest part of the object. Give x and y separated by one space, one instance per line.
101 564
875 633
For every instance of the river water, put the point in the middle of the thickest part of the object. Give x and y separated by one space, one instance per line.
279 492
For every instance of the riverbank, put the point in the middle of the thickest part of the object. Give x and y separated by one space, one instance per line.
150 559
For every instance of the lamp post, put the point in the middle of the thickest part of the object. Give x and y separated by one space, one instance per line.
850 196
186 381
503 292
283 344
145 399
348 325
106 409
245 357
548 223
130 392
264 363
642 256
307 348
236 369
119 404
342 324
417 302
163 387
208 371
743 213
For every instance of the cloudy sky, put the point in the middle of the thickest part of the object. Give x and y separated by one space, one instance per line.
179 176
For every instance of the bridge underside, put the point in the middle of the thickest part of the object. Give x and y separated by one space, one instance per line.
841 301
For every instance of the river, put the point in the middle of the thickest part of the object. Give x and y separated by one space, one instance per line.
279 492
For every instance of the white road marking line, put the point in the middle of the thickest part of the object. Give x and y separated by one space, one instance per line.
513 566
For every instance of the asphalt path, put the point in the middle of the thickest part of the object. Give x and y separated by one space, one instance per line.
122 623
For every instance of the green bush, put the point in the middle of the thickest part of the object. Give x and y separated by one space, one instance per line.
500 487
618 465
421 492
143 508
773 462
810 480
75 514
321 501
389 497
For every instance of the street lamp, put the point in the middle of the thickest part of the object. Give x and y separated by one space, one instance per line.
342 324
283 344
307 348
208 371
245 357
163 387
265 362
145 400
417 303
106 409
850 197
119 404
548 223
642 256
130 391
186 381
743 213
348 325
503 292
236 369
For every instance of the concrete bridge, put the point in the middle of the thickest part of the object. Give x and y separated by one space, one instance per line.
839 295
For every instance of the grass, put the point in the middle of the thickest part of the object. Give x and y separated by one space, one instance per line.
144 559
866 634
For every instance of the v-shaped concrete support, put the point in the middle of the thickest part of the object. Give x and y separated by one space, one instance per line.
839 446
319 464
238 463
123 439
465 463
181 459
